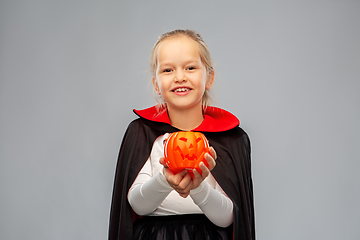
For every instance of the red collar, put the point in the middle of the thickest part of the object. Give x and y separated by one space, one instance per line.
215 119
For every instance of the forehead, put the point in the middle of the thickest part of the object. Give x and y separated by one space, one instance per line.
178 47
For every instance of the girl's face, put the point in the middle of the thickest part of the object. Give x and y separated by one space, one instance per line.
181 77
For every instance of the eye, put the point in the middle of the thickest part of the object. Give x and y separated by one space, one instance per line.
167 70
191 68
183 139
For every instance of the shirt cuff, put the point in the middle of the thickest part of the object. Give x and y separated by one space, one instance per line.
200 194
162 180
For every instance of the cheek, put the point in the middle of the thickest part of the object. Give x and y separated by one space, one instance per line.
164 83
161 82
203 79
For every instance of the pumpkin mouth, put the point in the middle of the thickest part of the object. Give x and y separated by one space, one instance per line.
190 158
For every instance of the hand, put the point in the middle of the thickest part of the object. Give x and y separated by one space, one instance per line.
210 158
182 181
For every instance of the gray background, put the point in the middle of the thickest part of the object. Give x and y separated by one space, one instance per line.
72 71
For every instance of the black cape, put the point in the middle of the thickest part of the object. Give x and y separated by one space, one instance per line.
232 172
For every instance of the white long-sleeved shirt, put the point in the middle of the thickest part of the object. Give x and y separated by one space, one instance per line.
151 194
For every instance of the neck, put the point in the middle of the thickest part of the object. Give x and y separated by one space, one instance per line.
186 119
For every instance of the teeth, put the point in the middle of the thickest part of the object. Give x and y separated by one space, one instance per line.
181 89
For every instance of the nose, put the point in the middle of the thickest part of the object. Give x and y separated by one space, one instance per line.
180 76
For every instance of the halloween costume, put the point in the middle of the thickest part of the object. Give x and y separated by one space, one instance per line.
232 171
151 194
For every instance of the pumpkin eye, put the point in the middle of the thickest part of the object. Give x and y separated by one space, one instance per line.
183 139
180 152
198 140
178 149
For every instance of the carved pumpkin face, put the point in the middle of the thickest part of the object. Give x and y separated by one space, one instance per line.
185 150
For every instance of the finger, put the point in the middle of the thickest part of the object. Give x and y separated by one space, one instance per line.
185 192
163 162
184 195
175 179
168 173
197 175
210 160
197 178
183 186
213 153
204 169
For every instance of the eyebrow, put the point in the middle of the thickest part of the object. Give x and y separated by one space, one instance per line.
188 62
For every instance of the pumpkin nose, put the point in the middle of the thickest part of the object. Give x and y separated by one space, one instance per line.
191 146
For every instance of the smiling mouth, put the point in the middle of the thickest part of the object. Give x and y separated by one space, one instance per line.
182 89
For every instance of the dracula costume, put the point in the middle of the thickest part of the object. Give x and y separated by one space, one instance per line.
232 170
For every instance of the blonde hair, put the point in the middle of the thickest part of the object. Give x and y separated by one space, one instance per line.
204 56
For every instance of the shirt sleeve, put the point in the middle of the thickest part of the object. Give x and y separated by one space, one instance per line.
147 192
217 207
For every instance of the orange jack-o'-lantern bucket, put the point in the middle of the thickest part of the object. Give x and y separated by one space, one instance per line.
185 150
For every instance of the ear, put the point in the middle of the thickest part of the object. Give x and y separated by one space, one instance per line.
210 80
156 86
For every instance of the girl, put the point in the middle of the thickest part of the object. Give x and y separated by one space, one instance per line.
149 201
